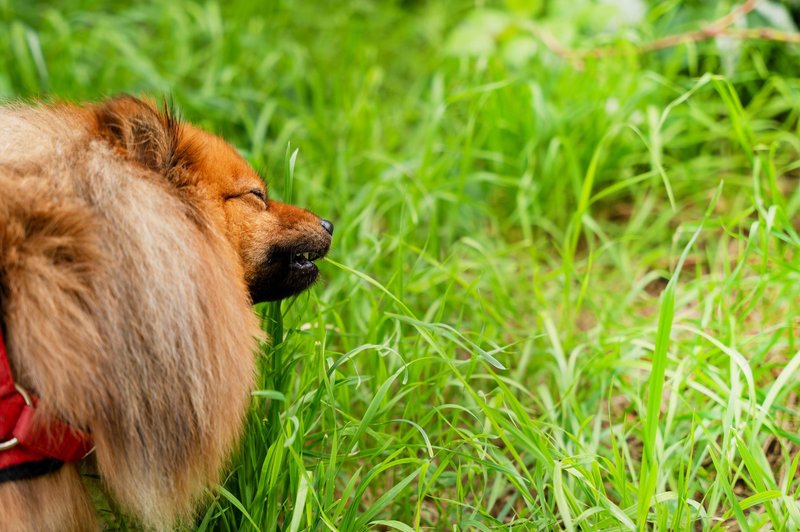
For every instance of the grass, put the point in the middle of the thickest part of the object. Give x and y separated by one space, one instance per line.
501 339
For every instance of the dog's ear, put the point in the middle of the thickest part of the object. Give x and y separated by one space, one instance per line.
141 131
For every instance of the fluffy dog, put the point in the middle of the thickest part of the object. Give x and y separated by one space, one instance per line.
131 249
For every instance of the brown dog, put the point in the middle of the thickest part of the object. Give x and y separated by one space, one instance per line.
131 249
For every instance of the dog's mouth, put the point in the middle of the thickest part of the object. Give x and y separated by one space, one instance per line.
287 272
304 261
300 263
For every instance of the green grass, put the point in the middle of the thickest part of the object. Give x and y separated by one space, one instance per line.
501 339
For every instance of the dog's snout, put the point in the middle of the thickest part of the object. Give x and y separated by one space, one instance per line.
328 226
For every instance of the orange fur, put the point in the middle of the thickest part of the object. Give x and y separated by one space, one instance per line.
131 248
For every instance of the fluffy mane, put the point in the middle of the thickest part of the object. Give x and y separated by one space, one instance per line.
135 327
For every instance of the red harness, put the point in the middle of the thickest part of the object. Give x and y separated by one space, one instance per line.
29 449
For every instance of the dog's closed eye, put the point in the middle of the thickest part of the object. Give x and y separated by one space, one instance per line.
258 193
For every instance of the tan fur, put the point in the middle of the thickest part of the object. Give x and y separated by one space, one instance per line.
41 505
128 257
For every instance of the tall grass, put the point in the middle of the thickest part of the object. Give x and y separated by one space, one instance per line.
559 297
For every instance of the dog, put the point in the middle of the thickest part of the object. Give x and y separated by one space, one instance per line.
132 246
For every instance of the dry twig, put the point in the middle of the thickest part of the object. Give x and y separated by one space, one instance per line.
717 28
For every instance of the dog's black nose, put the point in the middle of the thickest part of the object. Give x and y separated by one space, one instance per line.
328 226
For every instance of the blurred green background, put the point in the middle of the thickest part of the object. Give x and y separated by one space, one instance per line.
501 339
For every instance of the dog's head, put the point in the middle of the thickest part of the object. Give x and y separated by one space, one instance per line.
276 243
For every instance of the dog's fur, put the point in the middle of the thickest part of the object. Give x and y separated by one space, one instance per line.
131 249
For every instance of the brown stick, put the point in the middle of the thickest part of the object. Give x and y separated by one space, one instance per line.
716 28
719 27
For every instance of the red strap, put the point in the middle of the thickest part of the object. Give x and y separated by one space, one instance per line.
47 437
6 379
11 402
52 438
